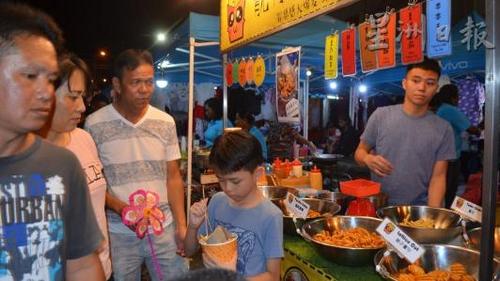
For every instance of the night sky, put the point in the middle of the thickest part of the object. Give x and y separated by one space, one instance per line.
115 25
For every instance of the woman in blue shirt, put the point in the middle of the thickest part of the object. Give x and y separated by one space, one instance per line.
213 114
446 102
246 122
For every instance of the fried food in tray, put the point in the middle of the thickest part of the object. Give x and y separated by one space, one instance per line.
357 237
313 214
455 272
420 223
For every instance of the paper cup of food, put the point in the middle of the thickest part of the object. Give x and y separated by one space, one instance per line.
220 249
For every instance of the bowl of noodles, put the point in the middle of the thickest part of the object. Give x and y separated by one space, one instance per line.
346 240
317 208
439 262
424 224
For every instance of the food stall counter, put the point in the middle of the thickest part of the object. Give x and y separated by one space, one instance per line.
303 263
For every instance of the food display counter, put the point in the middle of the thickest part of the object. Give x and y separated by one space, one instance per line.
302 263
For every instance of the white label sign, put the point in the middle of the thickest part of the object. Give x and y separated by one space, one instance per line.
400 241
297 207
467 209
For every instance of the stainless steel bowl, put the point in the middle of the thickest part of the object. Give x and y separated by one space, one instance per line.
475 239
435 256
326 158
338 254
276 192
447 223
378 200
336 197
324 207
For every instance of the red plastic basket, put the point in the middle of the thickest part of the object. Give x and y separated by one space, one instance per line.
359 187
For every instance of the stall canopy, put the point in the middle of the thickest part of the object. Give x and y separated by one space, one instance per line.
310 36
208 67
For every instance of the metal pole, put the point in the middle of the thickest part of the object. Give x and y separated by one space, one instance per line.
224 91
491 142
306 108
352 106
192 43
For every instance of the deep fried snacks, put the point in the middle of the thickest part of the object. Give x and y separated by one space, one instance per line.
355 237
455 272
420 223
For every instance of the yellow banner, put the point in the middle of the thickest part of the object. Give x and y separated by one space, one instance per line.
259 71
331 56
244 21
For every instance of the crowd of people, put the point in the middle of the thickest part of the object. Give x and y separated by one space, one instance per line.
64 190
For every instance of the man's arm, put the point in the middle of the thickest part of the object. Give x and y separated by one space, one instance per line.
376 163
84 268
175 191
114 203
437 184
272 273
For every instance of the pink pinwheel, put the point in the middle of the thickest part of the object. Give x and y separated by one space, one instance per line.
143 213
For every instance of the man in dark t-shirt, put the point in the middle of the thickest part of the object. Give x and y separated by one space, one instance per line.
48 230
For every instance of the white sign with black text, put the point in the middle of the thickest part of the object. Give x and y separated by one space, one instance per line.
296 206
467 209
402 243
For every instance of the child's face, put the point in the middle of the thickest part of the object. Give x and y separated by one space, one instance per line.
238 185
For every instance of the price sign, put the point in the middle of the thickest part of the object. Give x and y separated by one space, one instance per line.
400 241
467 209
296 206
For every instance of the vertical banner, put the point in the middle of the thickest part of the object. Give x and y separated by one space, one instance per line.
229 74
368 57
349 52
438 28
259 71
411 34
386 55
287 85
236 67
249 71
242 78
331 56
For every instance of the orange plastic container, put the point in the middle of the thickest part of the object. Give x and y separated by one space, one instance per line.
359 187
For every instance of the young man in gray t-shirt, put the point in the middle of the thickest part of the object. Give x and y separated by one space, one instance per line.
406 146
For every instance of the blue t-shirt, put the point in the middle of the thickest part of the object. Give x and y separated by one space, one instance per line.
214 129
259 230
413 145
262 140
458 121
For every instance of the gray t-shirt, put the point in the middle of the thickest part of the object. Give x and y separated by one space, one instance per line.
259 230
412 145
45 213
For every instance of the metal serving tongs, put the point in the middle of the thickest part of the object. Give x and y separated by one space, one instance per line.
381 268
465 236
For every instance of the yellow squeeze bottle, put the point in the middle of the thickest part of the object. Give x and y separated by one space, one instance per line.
316 178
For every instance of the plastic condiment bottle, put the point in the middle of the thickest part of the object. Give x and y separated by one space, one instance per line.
297 168
316 178
288 168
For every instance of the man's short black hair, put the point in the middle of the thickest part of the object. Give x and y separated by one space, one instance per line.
426 64
210 274
129 60
234 151
20 19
